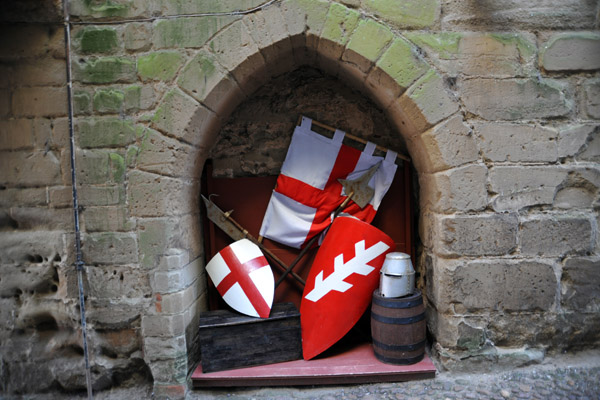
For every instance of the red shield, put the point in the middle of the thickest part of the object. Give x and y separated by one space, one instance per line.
343 276
243 278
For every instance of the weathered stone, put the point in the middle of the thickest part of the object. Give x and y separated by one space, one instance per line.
591 151
504 15
40 72
571 51
476 235
579 190
41 218
177 280
104 9
82 102
237 52
425 103
177 7
205 81
116 282
165 156
108 101
26 168
159 66
592 98
366 44
517 143
162 326
173 370
188 32
555 235
157 348
521 187
398 68
26 197
16 134
39 102
104 70
137 36
88 196
107 219
572 139
515 99
117 343
337 29
153 195
579 284
110 248
39 277
105 132
18 247
111 314
93 39
458 189
406 14
305 20
449 144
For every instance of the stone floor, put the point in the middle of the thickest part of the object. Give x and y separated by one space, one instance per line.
572 376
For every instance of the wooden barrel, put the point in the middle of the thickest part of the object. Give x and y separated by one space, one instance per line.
398 328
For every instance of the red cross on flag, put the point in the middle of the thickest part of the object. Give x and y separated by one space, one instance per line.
243 278
308 191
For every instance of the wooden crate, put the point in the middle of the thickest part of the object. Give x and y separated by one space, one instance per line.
230 340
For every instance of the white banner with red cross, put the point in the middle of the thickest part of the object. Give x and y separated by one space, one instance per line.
243 278
308 191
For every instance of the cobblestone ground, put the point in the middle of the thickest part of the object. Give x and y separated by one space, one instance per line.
566 377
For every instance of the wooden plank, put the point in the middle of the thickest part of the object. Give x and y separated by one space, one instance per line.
356 366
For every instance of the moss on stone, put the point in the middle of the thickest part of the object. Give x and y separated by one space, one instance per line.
315 13
81 102
160 66
132 99
105 70
525 47
401 63
117 163
445 44
98 40
131 155
108 100
189 32
369 39
105 132
109 8
406 13
200 75
340 23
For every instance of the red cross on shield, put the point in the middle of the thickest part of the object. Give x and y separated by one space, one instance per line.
243 278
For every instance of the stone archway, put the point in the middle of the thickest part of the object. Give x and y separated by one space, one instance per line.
361 52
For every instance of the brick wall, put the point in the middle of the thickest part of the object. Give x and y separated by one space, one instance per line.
497 105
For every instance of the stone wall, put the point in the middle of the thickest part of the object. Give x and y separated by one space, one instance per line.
496 102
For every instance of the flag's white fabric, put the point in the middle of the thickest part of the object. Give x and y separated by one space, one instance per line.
308 191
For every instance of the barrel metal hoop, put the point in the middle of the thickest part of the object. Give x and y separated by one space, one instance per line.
398 321
398 347
400 361
392 304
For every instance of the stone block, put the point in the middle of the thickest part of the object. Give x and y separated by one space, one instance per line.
117 282
109 314
35 246
16 134
175 259
337 29
173 303
398 68
157 348
476 235
117 343
27 168
425 103
517 143
510 100
579 284
579 190
153 195
110 248
39 277
99 166
496 285
366 44
203 79
591 151
39 102
572 139
237 52
41 218
165 156
305 20
504 15
40 72
82 102
23 196
107 219
108 101
162 326
107 9
177 7
137 36
458 189
406 14
521 187
556 235
105 70
171 371
104 132
571 51
159 66
95 39
592 98
447 145
169 392
88 196
173 281
191 32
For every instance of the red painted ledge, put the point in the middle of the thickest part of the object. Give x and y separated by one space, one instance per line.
355 366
